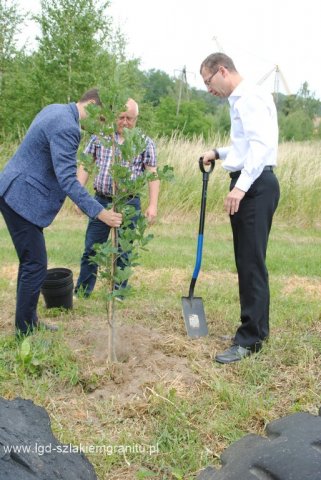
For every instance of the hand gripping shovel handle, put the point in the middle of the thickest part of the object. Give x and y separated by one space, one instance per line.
206 174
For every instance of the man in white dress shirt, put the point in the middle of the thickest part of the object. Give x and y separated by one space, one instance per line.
253 197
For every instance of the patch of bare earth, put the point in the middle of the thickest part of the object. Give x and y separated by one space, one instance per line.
9 271
145 358
310 286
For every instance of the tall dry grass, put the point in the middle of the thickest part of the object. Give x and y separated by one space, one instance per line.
298 171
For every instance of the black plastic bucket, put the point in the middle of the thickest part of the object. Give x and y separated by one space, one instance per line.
58 288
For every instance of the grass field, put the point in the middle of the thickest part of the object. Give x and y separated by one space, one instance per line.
166 410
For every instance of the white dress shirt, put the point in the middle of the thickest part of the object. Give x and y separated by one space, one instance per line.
254 134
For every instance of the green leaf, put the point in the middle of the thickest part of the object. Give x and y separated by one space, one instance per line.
25 349
122 274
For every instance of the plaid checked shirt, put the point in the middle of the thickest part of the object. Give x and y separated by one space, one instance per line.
103 156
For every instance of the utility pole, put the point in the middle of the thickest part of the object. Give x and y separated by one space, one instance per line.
182 83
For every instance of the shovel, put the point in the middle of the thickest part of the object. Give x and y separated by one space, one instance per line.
193 309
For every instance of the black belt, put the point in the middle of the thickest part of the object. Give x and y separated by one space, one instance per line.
238 173
101 195
110 197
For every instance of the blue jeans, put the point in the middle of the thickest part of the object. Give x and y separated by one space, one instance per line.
98 232
30 246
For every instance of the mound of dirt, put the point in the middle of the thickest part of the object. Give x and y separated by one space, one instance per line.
145 358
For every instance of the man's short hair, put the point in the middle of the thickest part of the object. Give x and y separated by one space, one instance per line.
92 94
218 59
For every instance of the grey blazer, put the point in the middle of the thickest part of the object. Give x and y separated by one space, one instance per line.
42 172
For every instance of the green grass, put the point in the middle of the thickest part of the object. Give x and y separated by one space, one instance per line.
191 425
191 408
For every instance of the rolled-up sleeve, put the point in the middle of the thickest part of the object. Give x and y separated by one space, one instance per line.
91 146
149 154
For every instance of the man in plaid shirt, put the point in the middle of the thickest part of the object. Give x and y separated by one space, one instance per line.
98 232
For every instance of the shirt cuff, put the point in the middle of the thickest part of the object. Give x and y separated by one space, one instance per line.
244 182
223 151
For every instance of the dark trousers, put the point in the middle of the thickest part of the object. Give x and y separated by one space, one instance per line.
30 246
98 232
251 227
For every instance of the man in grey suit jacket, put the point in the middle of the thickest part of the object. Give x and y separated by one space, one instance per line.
33 187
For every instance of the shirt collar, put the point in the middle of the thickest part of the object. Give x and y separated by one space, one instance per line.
74 109
238 92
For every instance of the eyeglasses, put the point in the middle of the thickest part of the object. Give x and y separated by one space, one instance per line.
208 80
123 117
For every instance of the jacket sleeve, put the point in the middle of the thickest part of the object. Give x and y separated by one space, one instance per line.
64 146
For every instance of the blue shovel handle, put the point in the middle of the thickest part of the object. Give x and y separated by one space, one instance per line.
200 239
199 252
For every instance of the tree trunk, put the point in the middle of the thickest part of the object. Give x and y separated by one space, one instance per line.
111 304
111 309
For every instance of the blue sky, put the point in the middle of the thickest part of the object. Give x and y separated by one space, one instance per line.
257 34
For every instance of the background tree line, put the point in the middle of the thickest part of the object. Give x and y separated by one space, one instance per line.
79 48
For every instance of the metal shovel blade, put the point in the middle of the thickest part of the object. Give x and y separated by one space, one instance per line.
194 317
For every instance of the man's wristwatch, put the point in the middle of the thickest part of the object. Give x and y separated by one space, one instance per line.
217 155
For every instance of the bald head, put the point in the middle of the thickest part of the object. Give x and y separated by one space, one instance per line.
128 119
132 107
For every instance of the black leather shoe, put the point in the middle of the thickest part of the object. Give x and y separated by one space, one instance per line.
233 354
